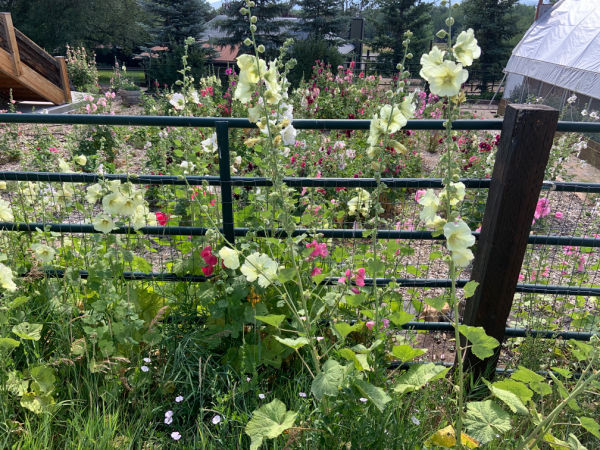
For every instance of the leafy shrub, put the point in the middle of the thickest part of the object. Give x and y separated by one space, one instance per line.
306 53
82 69
165 69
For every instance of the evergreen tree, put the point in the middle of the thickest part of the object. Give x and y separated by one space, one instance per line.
321 17
175 20
494 24
271 28
394 18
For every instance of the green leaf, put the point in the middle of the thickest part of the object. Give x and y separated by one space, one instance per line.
15 384
329 381
345 329
525 375
376 267
418 376
376 394
564 393
272 319
355 300
29 331
406 353
565 373
482 345
400 318
508 398
574 443
286 274
435 255
36 403
470 288
516 387
484 420
436 303
591 425
292 343
360 360
8 343
44 377
269 421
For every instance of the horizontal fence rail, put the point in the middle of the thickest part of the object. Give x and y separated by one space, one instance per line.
226 182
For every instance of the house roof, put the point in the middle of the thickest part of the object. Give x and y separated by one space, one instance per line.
225 53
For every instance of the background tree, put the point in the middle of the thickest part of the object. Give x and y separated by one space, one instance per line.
322 17
495 25
54 23
271 31
393 19
175 20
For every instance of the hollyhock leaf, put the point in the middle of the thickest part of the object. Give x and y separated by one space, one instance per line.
360 360
292 343
8 343
516 387
272 319
484 420
470 288
376 394
407 353
400 318
286 274
509 398
355 300
446 437
418 376
28 331
344 329
482 345
526 376
44 378
269 421
590 425
436 303
329 381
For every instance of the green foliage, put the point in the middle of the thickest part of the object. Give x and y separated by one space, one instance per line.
485 420
174 21
308 51
166 68
321 18
482 345
268 422
82 69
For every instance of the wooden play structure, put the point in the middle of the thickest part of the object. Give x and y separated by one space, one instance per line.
28 70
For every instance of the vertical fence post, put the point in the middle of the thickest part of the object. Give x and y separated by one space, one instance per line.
523 151
225 176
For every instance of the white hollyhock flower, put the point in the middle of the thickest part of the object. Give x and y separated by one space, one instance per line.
288 134
260 266
360 204
446 79
466 48
103 223
80 159
6 214
430 203
178 101
43 253
210 145
6 278
229 257
458 236
94 193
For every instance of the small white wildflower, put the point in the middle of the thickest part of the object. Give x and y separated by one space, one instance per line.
584 112
415 420
261 396
168 420
216 420
144 368
572 99
362 399
179 399
169 413
175 435
302 394
594 115
147 360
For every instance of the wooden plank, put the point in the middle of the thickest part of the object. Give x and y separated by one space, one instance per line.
32 80
13 48
37 58
64 75
523 151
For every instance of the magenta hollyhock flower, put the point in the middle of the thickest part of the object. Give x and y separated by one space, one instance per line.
162 218
360 277
316 271
420 193
542 208
558 215
370 324
318 250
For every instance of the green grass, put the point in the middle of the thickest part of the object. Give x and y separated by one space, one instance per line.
137 77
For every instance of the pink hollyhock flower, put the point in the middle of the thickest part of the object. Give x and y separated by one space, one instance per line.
208 270
318 250
370 324
162 218
581 264
360 277
316 271
355 290
53 150
420 193
386 323
542 208
558 215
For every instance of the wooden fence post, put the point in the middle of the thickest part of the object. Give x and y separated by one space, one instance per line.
523 151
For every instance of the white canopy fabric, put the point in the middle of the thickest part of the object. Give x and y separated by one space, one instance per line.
562 48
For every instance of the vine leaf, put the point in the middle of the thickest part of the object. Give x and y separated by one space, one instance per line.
269 421
482 345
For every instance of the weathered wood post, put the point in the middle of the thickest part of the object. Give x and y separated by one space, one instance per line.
523 151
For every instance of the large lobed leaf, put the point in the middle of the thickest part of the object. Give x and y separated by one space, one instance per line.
269 421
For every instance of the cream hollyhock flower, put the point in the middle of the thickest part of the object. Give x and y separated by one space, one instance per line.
6 279
466 48
194 97
430 203
250 71
229 257
458 193
114 185
391 119
260 266
43 253
94 193
210 145
178 101
103 223
430 61
407 107
462 257
375 132
63 166
113 202
2 185
288 135
360 204
80 159
6 214
446 79
458 236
